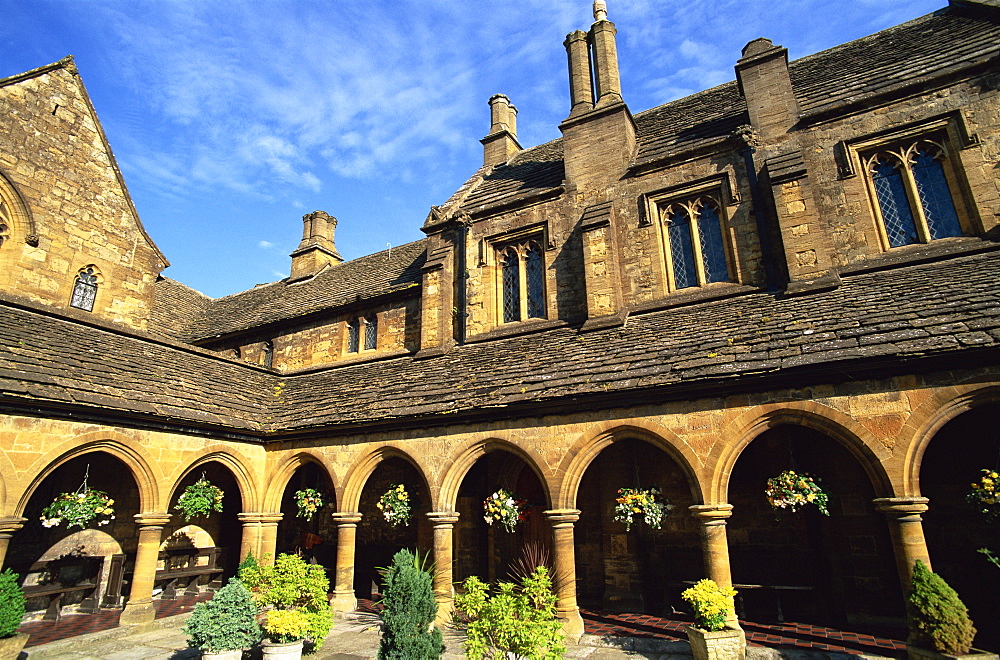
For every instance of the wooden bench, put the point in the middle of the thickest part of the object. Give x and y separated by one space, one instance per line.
182 564
66 575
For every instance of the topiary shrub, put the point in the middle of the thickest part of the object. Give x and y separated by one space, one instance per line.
11 604
938 618
227 622
516 621
409 611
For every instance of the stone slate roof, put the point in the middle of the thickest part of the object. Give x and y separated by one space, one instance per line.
937 308
57 360
377 274
933 45
176 308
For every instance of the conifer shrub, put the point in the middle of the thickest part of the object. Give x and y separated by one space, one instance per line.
938 618
517 620
11 604
227 622
409 611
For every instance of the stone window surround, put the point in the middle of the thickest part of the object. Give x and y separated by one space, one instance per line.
951 133
720 189
358 337
491 251
86 285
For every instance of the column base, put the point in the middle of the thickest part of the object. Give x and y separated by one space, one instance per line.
572 625
343 602
138 613
446 604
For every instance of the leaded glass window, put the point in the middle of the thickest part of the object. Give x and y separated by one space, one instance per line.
4 223
371 332
85 289
694 242
913 198
268 354
522 281
353 335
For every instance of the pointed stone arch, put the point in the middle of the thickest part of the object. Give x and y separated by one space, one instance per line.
282 473
929 418
466 456
358 474
22 229
589 445
859 441
135 457
235 462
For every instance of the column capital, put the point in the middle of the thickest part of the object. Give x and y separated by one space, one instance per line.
901 506
441 518
562 516
152 519
257 517
711 514
346 517
11 524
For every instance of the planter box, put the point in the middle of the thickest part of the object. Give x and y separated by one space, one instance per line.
10 647
920 653
726 644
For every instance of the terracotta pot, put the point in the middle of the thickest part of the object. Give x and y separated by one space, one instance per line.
10 647
222 655
290 651
919 653
725 644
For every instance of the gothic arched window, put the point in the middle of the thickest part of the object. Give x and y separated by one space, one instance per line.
85 288
522 285
694 243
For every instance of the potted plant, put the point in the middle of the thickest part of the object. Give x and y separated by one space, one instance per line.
505 508
793 491
308 501
395 505
647 503
225 625
709 637
290 584
199 499
11 614
939 622
285 632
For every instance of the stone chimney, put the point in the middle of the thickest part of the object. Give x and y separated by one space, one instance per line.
317 249
501 143
764 81
599 133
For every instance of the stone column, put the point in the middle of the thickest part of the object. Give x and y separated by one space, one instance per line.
269 536
907 532
344 599
444 591
564 580
250 543
7 528
139 608
715 547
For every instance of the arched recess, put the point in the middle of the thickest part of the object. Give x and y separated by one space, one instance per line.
595 440
237 465
22 228
859 441
466 456
134 456
358 474
928 419
281 474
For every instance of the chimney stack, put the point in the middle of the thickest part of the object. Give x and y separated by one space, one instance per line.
501 143
766 85
317 249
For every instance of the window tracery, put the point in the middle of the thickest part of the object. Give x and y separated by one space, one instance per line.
522 281
85 288
694 243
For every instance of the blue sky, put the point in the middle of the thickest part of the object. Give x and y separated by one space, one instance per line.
232 119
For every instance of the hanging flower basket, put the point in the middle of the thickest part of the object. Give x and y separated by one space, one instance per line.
199 499
647 503
396 506
79 509
309 501
793 490
505 508
985 495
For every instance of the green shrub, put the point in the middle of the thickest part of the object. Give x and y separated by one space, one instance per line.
518 620
227 622
938 618
291 583
711 604
11 603
409 611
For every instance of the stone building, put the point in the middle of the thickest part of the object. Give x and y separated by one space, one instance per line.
793 270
